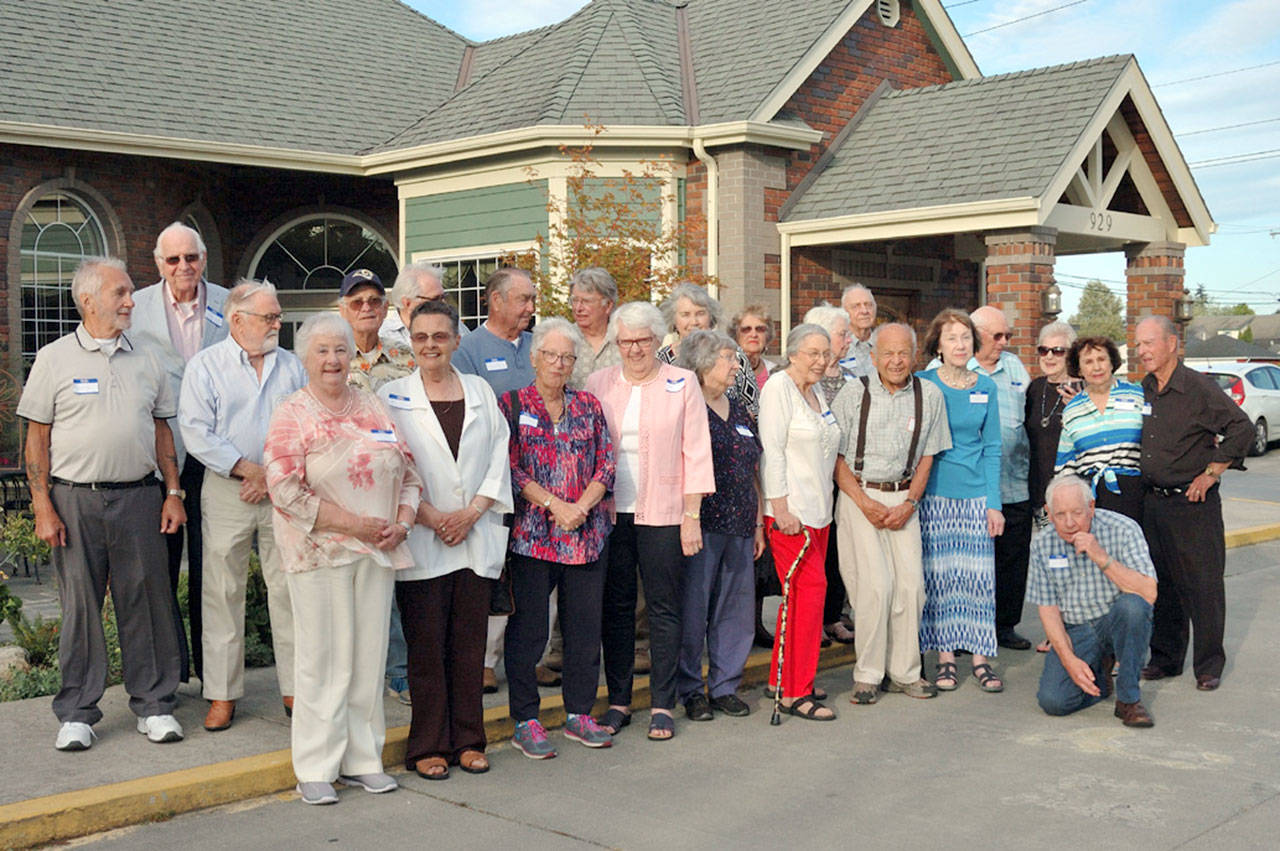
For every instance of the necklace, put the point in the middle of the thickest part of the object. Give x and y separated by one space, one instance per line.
345 408
957 377
1057 397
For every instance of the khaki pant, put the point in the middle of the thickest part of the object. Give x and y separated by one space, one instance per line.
229 526
885 570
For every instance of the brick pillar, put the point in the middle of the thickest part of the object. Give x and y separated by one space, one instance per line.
1156 279
1019 268
749 240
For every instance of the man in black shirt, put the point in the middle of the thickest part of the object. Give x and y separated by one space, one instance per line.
1182 462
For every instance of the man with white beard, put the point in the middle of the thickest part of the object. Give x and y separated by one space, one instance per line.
229 392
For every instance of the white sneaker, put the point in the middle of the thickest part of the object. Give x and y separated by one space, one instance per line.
160 728
74 736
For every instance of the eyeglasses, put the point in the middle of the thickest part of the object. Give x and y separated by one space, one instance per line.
1056 351
815 354
556 357
753 329
439 338
639 343
1002 335
584 300
359 304
269 318
191 259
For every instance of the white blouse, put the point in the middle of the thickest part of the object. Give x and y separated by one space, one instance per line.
800 448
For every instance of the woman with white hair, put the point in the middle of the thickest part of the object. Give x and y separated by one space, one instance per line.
690 308
561 469
345 494
658 424
592 296
836 323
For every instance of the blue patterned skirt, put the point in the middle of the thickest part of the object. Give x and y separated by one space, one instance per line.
959 576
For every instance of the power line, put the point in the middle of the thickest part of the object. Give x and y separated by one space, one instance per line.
961 3
1216 74
1024 18
1228 127
1233 159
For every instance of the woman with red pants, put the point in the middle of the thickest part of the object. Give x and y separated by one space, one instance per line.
800 439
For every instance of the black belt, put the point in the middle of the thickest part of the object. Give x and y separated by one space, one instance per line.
1159 491
106 486
891 487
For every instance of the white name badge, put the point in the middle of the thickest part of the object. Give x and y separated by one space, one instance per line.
743 430
1126 405
1146 409
527 419
383 435
911 423
849 362
84 386
675 385
213 316
401 402
977 397
1016 385
828 417
496 364
1059 562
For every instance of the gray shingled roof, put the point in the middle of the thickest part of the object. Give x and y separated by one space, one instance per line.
327 75
974 140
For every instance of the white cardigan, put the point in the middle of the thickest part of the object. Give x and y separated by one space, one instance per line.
483 467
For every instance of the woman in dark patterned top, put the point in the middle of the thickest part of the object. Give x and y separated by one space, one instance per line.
690 308
561 469
718 607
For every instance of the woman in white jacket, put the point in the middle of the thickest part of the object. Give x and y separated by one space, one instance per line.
458 439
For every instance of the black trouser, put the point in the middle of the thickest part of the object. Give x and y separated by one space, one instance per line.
191 479
581 589
1189 551
1128 502
1012 551
660 568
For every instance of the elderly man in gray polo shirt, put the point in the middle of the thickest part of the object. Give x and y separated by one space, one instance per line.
96 409
891 426
229 392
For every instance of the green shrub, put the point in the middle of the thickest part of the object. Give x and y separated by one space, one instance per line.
39 638
258 652
18 538
37 682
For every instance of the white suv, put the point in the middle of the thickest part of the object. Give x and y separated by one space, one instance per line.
1255 387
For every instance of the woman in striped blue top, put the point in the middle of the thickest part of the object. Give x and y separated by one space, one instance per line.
1101 437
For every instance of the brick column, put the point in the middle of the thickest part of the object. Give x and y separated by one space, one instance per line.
1019 267
748 235
1156 279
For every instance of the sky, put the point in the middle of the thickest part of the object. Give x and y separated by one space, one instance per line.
1214 69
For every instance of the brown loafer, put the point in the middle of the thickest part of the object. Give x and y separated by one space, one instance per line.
288 705
490 683
547 677
1155 672
1207 682
1134 714
220 714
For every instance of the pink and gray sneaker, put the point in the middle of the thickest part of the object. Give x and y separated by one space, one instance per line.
583 728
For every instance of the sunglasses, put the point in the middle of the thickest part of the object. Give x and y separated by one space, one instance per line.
191 259
1056 351
756 329
1002 335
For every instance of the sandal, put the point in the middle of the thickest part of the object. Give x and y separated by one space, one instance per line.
807 708
947 673
817 693
1044 646
473 762
663 725
987 679
614 720
864 694
426 768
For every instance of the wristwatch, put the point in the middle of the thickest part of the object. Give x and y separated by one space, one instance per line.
178 492
915 503
408 527
1208 471
693 515
547 503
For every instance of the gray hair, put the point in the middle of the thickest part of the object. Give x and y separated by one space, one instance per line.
595 279
90 276
875 335
407 281
243 292
854 288
753 310
1056 329
799 334
557 325
640 315
179 227
1165 323
1066 480
500 281
983 315
316 324
701 349
698 296
828 316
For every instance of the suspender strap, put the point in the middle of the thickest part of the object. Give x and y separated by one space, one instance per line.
915 431
860 451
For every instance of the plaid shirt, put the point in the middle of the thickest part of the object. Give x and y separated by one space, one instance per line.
889 426
1071 581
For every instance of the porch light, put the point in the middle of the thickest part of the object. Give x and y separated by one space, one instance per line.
1051 301
1182 308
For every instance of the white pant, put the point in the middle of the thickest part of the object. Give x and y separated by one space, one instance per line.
341 618
886 569
493 641
229 525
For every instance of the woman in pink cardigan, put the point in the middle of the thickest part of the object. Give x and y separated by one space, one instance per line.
658 422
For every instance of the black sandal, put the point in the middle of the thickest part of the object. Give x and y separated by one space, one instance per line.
817 693
985 677
660 723
947 671
807 708
614 720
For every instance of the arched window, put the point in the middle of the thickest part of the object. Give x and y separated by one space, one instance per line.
58 232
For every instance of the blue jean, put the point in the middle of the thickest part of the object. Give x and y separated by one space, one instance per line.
1125 632
718 609
397 649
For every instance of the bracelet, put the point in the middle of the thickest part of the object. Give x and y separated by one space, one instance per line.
915 503
178 492
406 525
693 515
1110 561
476 509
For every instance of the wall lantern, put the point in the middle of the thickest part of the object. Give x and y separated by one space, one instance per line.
1051 301
1182 308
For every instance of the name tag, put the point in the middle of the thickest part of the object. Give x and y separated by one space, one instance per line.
1146 409
829 418
401 402
1016 385
527 419
84 386
743 430
977 397
1127 405
675 385
1059 562
849 362
496 364
383 435
911 423
213 316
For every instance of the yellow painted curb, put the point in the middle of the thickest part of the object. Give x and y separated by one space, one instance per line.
1253 535
54 818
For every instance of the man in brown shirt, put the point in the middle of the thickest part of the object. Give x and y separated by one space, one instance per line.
1182 463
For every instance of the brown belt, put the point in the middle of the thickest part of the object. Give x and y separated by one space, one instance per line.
891 487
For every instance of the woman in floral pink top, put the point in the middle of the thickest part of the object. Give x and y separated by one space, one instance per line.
345 493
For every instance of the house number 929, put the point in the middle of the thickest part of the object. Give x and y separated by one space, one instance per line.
1100 222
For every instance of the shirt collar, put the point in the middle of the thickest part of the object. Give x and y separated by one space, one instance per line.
90 344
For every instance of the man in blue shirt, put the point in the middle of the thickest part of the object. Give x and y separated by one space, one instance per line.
1094 582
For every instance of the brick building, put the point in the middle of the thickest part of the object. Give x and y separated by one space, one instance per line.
838 141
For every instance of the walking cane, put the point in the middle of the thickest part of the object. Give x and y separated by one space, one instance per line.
782 626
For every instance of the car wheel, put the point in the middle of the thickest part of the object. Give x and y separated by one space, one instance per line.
1259 446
